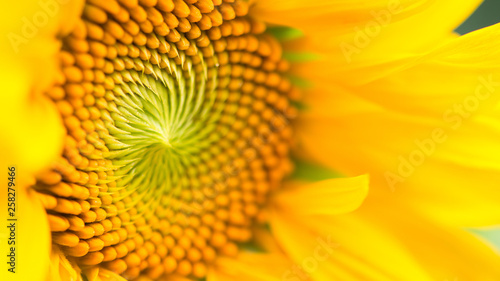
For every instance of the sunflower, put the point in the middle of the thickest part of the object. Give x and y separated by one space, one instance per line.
152 140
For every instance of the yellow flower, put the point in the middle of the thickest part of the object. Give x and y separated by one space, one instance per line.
159 133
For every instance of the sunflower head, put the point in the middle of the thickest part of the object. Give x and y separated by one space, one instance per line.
177 116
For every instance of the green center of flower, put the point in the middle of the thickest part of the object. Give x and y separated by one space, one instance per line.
160 125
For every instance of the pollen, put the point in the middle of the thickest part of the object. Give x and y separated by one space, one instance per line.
178 118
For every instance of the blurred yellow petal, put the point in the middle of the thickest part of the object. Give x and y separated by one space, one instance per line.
334 196
29 30
426 119
31 130
317 247
444 252
457 195
249 266
381 244
31 242
464 72
425 161
392 135
362 31
354 253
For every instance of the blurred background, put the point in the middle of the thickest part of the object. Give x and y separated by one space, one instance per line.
487 14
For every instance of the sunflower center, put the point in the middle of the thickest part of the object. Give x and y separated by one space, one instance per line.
177 116
160 124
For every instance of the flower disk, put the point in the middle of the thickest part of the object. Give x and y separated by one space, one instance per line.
177 116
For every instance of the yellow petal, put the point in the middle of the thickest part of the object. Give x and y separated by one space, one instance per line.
464 71
31 130
385 137
328 254
444 252
31 244
448 173
328 197
455 194
355 31
249 266
381 244
29 31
